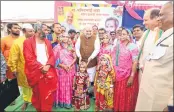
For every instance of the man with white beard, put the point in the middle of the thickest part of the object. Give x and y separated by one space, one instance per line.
87 48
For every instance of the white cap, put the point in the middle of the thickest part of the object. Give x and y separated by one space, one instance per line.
28 26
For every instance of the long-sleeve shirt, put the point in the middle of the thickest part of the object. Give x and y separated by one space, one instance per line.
156 85
96 46
16 61
147 46
6 43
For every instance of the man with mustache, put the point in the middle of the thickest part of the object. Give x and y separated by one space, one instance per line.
6 43
87 48
101 32
16 63
54 38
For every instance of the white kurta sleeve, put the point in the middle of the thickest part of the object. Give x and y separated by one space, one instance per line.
96 48
77 48
142 38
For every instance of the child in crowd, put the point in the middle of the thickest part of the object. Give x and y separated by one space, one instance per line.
104 81
81 100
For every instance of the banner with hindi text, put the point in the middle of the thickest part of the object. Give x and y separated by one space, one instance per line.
77 17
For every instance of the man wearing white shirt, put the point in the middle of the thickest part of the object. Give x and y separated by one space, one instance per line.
149 36
137 32
118 35
95 29
87 48
101 32
156 88
113 37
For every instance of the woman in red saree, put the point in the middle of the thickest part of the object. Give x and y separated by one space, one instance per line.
39 69
124 58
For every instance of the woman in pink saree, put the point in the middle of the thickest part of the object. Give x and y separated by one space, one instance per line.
65 63
124 57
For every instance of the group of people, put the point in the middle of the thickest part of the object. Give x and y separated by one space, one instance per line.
122 70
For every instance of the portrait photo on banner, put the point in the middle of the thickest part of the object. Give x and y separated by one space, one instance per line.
78 17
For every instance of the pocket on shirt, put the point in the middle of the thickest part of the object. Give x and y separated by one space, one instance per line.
158 52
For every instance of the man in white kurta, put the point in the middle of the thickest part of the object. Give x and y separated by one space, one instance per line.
156 88
137 32
91 71
87 48
151 23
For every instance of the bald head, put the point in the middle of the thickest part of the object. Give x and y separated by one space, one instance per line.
69 13
153 12
150 18
69 17
168 6
166 16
